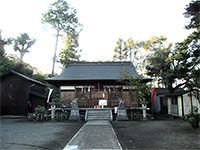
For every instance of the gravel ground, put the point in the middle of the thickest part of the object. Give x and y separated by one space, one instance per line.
20 134
158 134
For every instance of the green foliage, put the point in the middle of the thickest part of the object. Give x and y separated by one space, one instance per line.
118 50
130 50
6 64
171 65
22 44
134 85
58 102
4 42
40 110
70 52
194 116
195 20
61 17
11 62
158 63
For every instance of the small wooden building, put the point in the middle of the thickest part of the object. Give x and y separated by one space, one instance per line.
92 82
20 94
160 105
180 103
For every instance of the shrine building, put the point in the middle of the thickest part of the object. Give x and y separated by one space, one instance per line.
93 82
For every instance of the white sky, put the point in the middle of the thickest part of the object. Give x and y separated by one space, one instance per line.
104 22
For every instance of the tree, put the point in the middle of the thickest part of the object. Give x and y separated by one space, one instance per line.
158 64
5 63
70 52
22 44
130 48
62 18
4 42
178 67
189 49
119 50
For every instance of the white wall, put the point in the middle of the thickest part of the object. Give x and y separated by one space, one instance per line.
179 106
169 103
186 104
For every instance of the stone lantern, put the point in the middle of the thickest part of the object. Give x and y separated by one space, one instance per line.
144 108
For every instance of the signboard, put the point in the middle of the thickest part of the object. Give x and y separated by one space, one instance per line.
103 102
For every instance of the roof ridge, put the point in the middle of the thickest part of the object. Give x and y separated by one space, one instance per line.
127 63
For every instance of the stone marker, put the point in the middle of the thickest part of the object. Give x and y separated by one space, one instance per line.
75 111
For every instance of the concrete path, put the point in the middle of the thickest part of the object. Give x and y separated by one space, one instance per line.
95 135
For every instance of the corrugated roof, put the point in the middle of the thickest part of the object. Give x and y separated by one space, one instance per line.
95 71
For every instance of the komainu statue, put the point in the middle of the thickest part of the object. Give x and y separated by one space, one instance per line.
74 102
121 102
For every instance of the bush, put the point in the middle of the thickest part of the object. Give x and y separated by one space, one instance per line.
40 110
194 117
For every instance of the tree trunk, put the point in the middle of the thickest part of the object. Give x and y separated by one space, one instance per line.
54 57
21 56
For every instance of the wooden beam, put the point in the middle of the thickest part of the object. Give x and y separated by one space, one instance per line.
98 90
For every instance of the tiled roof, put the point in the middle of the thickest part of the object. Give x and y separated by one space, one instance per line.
95 71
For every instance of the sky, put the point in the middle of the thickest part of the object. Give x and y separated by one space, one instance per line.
104 22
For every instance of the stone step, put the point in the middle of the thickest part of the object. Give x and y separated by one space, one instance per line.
101 119
98 118
98 114
99 110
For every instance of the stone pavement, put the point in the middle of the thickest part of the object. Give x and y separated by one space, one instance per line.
95 135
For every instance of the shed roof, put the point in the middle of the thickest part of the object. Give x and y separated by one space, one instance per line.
22 76
165 91
88 71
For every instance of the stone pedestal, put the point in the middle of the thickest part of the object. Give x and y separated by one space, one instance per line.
74 114
121 115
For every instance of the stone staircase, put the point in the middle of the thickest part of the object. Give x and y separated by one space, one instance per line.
98 114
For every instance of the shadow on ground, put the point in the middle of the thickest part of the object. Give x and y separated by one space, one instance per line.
164 132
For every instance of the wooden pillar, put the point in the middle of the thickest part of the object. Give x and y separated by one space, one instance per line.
122 92
182 106
98 90
191 99
75 92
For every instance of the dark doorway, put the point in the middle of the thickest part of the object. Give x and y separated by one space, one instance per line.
163 105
